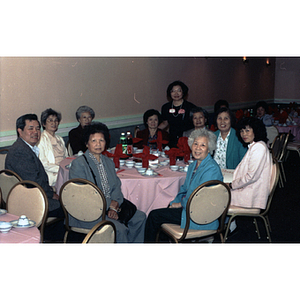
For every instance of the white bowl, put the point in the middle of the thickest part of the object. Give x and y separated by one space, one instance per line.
139 151
154 166
174 167
129 164
5 226
190 161
138 164
149 172
185 169
122 162
141 170
165 162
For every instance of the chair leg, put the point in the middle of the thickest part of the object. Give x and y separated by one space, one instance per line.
267 229
66 236
283 173
268 222
228 227
257 230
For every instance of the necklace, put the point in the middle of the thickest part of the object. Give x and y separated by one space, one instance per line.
173 109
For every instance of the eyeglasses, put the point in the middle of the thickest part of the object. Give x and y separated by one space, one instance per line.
52 121
178 91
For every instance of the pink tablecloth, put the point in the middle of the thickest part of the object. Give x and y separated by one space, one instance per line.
19 235
146 192
295 130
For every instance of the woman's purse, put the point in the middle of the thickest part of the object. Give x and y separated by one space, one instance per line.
126 209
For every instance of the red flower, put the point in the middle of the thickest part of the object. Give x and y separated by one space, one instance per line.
181 111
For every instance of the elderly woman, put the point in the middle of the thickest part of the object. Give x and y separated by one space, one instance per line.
250 186
199 117
202 142
176 113
261 108
151 120
84 115
52 147
230 151
94 163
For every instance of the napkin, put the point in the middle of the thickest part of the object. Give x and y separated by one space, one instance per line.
117 155
145 156
172 153
159 141
184 148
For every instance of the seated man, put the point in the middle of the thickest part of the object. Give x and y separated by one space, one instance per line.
22 158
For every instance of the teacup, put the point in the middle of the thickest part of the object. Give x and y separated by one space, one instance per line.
149 172
141 170
23 221
174 167
185 169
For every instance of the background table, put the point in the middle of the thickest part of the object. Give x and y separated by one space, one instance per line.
295 130
19 235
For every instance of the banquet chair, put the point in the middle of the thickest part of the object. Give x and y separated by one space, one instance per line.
28 198
3 153
102 232
84 201
278 149
69 148
208 202
8 179
236 211
293 146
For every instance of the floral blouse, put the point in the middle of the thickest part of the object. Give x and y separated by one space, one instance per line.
220 153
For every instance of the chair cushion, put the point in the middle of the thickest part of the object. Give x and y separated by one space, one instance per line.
234 210
177 232
293 146
80 230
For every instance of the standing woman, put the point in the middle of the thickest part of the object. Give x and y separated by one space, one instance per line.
84 115
52 147
176 113
230 151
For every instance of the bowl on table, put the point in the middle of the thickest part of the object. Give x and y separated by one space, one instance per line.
174 168
165 162
138 165
129 164
149 172
122 162
141 170
5 226
190 161
138 151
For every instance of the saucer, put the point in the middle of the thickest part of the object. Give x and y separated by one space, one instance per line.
3 212
152 175
15 224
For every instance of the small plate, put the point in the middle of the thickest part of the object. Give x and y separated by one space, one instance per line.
15 224
3 212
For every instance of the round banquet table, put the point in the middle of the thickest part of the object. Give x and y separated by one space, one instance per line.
19 235
146 192
295 130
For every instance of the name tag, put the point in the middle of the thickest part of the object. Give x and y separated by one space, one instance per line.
172 110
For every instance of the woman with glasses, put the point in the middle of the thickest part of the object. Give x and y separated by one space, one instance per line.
52 147
176 113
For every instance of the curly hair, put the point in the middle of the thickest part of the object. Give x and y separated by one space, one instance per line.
203 132
201 110
82 109
184 88
96 127
259 129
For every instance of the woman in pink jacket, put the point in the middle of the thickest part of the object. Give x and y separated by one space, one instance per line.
250 186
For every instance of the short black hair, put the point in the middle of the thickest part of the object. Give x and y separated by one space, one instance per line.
262 104
49 112
96 127
21 121
199 109
230 113
149 113
184 88
259 129
220 103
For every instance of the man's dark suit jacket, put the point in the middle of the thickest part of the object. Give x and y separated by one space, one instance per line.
22 160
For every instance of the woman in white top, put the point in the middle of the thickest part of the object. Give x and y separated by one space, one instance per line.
250 186
52 147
